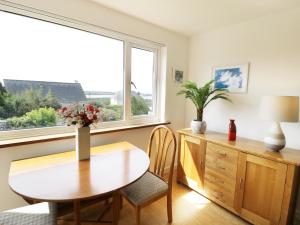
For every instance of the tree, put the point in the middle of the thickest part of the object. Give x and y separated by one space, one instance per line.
5 102
2 89
20 104
50 101
2 94
139 105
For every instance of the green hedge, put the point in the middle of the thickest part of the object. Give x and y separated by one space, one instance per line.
41 117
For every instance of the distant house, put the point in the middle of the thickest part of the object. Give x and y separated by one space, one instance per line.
114 98
64 92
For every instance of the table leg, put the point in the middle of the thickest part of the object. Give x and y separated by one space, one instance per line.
76 209
116 208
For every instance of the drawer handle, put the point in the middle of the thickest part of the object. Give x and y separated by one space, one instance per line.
217 194
219 181
217 166
224 154
221 168
216 180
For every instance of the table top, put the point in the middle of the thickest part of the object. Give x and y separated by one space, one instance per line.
61 178
286 155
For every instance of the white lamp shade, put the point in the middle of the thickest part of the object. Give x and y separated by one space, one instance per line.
280 108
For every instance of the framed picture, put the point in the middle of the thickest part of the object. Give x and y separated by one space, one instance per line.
177 76
232 78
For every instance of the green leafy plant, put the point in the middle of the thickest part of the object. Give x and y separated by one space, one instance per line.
36 118
202 96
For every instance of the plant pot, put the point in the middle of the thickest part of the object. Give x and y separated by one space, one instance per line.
198 127
82 143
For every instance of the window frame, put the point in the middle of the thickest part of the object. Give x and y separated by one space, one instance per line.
155 84
129 42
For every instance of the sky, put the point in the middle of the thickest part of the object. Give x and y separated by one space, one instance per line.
31 49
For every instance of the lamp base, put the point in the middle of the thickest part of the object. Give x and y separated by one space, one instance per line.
275 138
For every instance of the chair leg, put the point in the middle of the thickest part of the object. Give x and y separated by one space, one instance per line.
138 215
169 207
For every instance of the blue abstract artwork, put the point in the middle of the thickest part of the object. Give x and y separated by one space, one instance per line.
232 78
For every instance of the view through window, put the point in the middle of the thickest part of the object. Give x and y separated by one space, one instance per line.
141 94
44 66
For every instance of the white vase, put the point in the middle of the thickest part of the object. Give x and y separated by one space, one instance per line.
275 138
198 127
82 143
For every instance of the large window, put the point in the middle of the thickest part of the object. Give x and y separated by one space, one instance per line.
45 66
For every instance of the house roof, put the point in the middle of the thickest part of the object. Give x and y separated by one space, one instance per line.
65 92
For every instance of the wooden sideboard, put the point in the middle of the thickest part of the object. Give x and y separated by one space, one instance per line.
242 176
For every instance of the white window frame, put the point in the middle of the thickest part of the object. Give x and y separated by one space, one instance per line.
129 42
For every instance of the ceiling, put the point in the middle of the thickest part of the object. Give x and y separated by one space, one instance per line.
190 17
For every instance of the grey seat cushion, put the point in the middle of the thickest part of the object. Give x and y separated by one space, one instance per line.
146 188
37 214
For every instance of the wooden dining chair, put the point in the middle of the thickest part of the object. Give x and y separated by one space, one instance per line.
157 181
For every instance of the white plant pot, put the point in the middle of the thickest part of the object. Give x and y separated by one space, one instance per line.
198 127
82 143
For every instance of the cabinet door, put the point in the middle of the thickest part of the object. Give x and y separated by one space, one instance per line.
261 187
192 153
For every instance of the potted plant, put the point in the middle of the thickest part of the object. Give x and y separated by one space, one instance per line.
201 97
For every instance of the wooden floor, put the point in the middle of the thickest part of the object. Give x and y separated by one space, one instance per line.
189 208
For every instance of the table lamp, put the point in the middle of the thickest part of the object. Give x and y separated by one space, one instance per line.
278 109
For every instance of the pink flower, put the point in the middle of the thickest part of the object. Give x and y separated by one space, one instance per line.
62 110
90 107
81 115
90 116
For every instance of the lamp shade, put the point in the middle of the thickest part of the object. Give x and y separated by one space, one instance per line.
280 108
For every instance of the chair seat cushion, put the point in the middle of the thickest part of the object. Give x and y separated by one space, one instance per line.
146 188
37 214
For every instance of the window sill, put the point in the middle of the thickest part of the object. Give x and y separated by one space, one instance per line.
56 137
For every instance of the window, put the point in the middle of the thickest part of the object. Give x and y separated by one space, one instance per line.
142 70
45 65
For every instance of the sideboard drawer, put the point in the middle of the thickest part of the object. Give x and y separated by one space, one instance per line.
222 153
222 167
217 179
221 160
217 193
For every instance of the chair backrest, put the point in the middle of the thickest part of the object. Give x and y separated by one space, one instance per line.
162 152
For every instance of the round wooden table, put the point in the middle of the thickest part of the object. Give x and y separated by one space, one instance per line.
60 178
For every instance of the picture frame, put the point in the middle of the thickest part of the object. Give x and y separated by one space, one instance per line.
178 76
233 78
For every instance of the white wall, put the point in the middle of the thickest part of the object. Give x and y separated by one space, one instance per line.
177 56
271 45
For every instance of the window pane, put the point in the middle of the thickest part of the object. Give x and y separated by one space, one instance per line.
45 66
142 65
